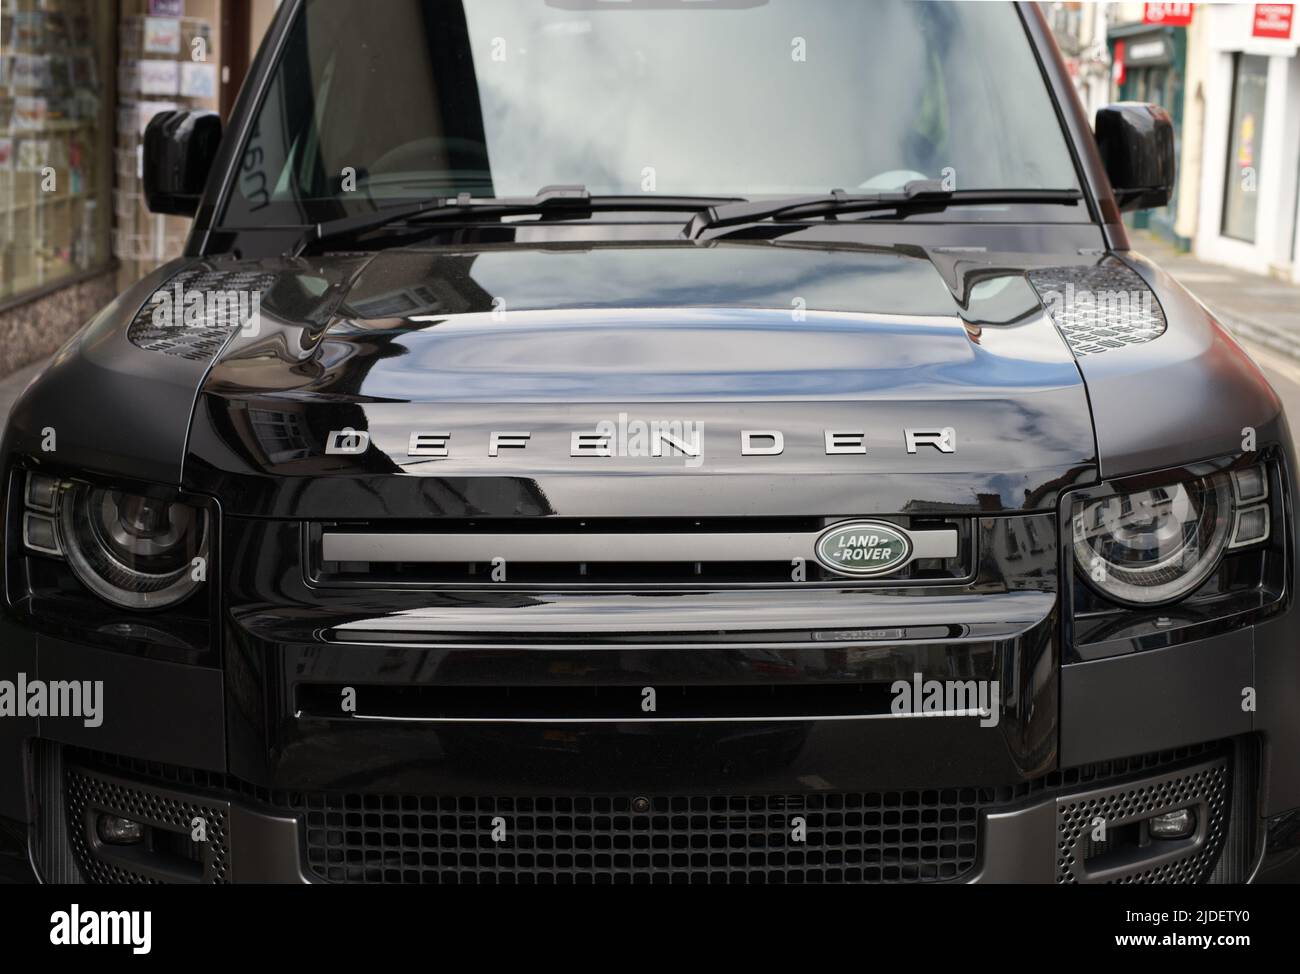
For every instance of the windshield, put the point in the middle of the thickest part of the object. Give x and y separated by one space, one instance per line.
374 103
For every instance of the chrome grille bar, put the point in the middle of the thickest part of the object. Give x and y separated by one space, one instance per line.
597 547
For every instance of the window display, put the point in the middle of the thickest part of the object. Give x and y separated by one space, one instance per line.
54 176
167 59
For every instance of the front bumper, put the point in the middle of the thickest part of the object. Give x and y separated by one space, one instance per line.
1035 834
286 795
166 765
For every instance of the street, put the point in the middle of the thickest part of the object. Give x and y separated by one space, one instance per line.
1262 313
1284 375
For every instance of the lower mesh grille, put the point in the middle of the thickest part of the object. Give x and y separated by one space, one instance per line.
917 836
901 837
87 794
1206 789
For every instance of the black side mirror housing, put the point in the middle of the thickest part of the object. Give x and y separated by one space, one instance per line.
1136 142
179 148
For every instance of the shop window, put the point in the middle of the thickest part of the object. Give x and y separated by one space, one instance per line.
168 59
55 168
1245 140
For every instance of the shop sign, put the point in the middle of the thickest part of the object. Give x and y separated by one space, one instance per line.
1273 20
1168 14
1149 50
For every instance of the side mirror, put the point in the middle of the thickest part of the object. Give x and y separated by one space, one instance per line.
1136 141
178 151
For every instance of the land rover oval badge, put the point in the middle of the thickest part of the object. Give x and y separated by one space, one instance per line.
863 548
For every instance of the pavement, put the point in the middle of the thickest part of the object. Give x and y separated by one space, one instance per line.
1263 313
1258 310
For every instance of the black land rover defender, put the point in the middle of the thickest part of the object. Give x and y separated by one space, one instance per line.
587 441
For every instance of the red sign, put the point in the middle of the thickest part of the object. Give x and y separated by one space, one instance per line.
1117 72
1273 20
1168 14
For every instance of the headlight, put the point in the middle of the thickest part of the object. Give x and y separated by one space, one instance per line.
132 550
1154 546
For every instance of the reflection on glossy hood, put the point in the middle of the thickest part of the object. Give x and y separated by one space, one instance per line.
665 322
462 345
680 276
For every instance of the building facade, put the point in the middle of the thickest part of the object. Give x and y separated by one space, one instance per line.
1148 45
1250 178
1080 31
79 80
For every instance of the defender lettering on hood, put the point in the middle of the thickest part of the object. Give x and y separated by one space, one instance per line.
660 442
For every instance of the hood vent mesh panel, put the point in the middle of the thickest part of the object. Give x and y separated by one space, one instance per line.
162 324
1099 307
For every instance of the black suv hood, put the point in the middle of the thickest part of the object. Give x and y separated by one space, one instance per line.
802 340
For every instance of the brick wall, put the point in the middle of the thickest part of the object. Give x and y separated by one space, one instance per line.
32 331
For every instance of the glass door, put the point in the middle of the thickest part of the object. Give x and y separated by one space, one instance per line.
1245 140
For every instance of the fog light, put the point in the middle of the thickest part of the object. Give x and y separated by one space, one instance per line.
1173 825
116 830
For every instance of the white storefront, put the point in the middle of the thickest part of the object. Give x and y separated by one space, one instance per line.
1250 182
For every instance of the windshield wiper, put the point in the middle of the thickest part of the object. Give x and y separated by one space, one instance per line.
919 194
549 199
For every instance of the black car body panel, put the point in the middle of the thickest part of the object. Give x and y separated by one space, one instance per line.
646 332
361 410
141 426
1198 356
